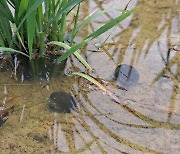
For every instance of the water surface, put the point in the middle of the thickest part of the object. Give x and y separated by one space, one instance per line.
149 41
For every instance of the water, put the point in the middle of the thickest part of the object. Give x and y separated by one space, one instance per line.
150 121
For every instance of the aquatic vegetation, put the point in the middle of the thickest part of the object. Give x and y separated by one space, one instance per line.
107 119
27 27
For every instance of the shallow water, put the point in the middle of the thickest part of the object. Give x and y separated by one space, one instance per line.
150 122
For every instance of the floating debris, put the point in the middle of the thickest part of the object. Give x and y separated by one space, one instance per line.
61 102
5 90
22 113
126 76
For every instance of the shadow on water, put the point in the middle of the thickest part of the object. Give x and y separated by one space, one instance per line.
147 122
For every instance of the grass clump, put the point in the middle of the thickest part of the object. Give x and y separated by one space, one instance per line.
32 27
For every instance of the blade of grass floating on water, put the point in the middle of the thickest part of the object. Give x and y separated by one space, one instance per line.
67 47
82 60
31 19
99 45
110 24
68 6
91 79
100 86
13 50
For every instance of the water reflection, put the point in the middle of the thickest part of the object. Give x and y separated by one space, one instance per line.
146 119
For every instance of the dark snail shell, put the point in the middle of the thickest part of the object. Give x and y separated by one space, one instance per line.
126 76
61 102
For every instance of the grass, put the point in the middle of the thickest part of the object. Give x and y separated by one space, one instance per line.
35 25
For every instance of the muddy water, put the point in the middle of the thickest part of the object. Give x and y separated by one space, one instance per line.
149 41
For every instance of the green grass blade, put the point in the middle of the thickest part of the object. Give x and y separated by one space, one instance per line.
1 41
14 29
5 28
68 6
75 26
4 49
82 60
40 30
31 20
110 24
72 50
63 23
5 11
22 8
91 17
30 10
91 79
65 46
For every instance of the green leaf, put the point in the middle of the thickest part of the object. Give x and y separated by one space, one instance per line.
31 19
91 79
30 10
5 28
22 8
72 50
1 40
82 60
68 6
14 29
12 50
110 24
91 17
5 11
67 47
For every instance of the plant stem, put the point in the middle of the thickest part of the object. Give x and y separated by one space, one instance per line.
63 23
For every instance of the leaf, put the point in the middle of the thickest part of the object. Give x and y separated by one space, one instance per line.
12 50
5 11
68 6
30 10
67 47
31 20
89 78
110 24
72 50
91 17
22 8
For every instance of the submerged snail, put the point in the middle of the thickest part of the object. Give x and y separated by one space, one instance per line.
61 102
126 76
